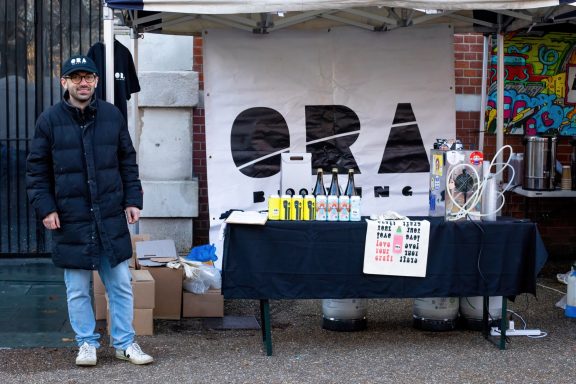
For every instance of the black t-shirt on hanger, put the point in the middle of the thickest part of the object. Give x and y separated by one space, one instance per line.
125 76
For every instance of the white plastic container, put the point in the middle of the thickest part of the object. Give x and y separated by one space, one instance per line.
570 310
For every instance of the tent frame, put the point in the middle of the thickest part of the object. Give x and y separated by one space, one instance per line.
376 19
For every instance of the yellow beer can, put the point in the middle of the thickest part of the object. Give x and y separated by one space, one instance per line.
309 207
296 207
285 207
274 207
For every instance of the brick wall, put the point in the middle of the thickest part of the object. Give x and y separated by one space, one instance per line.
555 217
202 222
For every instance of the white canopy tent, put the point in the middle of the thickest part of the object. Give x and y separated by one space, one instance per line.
191 17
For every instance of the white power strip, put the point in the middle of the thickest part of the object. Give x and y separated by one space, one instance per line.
516 332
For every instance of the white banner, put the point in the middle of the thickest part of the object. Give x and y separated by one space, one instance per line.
371 101
396 247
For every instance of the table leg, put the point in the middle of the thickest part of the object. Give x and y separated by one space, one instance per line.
486 321
485 317
503 323
266 329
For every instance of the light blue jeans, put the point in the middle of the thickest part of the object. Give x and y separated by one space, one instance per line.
120 304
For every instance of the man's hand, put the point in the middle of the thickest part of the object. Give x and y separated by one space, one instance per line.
133 214
51 221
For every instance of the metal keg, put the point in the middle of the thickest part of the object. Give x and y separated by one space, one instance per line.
539 163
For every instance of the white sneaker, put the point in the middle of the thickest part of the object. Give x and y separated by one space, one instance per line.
86 355
134 355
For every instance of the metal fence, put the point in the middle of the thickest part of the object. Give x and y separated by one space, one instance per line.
35 35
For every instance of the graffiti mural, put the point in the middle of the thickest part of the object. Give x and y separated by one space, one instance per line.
540 85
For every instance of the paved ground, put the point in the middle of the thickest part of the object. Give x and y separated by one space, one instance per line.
390 351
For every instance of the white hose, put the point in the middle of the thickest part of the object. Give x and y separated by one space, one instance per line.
469 207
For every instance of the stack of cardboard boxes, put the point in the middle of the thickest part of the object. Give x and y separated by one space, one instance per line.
144 300
158 292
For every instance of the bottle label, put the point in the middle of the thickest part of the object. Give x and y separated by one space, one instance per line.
321 207
355 214
274 208
296 208
285 207
344 208
309 208
332 208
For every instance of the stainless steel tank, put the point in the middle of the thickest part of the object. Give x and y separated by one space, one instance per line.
539 163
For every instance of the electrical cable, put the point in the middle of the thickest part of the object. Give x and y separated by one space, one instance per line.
480 250
550 288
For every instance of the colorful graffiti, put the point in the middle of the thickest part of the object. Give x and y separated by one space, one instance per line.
540 85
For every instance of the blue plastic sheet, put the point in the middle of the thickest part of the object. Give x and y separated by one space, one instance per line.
202 253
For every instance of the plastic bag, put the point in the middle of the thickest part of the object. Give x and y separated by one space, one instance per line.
202 253
200 277
195 286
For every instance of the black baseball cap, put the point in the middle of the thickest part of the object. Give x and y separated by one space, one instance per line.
78 63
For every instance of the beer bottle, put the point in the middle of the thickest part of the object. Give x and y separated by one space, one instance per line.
350 187
319 188
354 197
333 197
334 189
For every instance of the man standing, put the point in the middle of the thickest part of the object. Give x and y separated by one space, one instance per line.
82 180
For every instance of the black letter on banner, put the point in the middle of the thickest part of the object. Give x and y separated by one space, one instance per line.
258 197
404 152
323 122
256 133
381 191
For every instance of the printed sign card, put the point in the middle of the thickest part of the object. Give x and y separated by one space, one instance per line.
396 247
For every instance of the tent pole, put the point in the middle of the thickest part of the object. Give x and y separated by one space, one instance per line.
134 98
108 21
485 59
500 103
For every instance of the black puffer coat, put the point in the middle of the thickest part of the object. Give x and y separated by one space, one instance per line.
83 166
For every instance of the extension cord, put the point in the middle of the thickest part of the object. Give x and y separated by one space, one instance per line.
516 332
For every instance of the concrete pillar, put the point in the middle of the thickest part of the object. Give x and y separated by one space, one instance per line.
164 137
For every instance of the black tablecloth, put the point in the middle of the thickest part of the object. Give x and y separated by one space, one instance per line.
311 259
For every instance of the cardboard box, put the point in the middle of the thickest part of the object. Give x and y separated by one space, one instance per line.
209 304
100 305
296 172
143 288
135 239
155 253
168 292
143 322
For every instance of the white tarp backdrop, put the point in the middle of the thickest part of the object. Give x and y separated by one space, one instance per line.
391 84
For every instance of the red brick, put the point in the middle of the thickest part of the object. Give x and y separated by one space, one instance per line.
463 48
462 81
476 65
462 64
476 81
